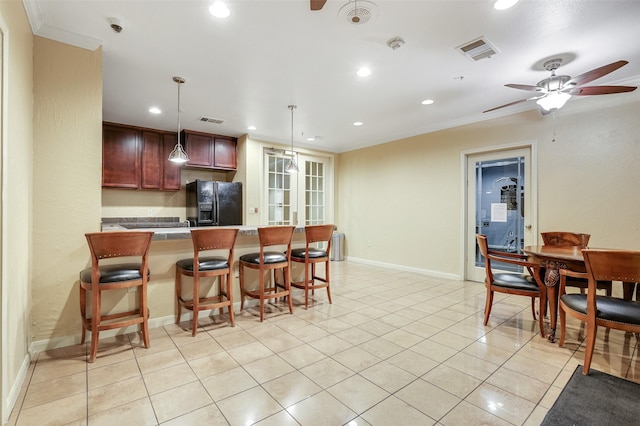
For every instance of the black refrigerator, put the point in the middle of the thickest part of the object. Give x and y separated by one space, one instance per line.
213 203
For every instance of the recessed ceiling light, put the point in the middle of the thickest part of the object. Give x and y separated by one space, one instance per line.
155 110
504 4
251 128
219 9
311 139
364 72
427 102
358 123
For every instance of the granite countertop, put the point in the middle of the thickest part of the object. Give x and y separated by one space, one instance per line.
168 228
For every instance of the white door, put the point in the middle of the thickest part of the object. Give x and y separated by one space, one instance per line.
501 204
303 198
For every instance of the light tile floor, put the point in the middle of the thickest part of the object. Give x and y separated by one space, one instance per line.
394 348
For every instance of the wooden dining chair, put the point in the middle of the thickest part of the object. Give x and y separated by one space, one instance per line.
266 261
573 278
104 275
310 256
529 285
597 310
565 239
207 240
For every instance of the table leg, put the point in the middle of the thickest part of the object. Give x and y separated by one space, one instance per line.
551 280
552 297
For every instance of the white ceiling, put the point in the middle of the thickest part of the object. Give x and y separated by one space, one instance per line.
269 54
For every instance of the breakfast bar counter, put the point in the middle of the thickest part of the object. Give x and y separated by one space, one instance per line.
184 232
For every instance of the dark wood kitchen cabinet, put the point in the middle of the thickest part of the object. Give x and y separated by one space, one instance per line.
137 158
171 174
210 151
120 157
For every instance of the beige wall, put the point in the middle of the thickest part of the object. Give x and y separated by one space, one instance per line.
587 182
67 159
17 147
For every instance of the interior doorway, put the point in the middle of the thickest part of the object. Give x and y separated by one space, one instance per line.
500 203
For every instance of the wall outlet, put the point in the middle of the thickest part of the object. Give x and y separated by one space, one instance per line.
149 212
369 243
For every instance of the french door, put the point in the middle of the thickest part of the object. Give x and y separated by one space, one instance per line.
301 198
500 203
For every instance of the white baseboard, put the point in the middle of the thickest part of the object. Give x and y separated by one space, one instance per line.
14 392
435 274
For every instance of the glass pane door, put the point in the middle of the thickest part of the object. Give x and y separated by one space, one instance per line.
500 207
500 203
279 191
301 198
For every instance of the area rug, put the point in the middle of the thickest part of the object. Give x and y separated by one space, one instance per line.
596 399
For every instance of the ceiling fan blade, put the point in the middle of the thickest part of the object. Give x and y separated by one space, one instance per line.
509 104
595 73
317 4
525 87
600 90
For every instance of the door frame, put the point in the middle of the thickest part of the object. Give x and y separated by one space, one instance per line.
531 145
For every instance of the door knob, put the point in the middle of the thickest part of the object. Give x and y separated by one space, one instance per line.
528 226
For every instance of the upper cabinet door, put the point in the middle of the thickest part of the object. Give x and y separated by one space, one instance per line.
172 171
151 160
209 151
120 157
224 156
199 148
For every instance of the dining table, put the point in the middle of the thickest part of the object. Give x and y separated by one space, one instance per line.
552 259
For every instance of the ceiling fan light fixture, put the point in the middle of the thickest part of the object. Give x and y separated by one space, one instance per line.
553 101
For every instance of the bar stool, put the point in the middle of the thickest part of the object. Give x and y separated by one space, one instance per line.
211 266
102 277
310 256
265 261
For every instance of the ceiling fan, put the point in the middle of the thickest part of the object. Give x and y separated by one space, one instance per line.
553 92
317 4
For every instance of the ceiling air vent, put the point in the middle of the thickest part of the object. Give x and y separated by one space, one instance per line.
211 120
478 49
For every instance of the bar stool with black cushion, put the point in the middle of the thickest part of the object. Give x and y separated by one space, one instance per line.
111 276
198 266
511 283
310 256
572 239
266 261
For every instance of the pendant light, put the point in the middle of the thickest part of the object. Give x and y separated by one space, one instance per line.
178 155
292 166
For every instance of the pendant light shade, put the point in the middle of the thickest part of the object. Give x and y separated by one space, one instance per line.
178 155
292 166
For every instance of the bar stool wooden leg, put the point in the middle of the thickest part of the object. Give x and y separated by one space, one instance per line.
178 293
145 316
196 300
229 297
83 313
242 293
95 322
